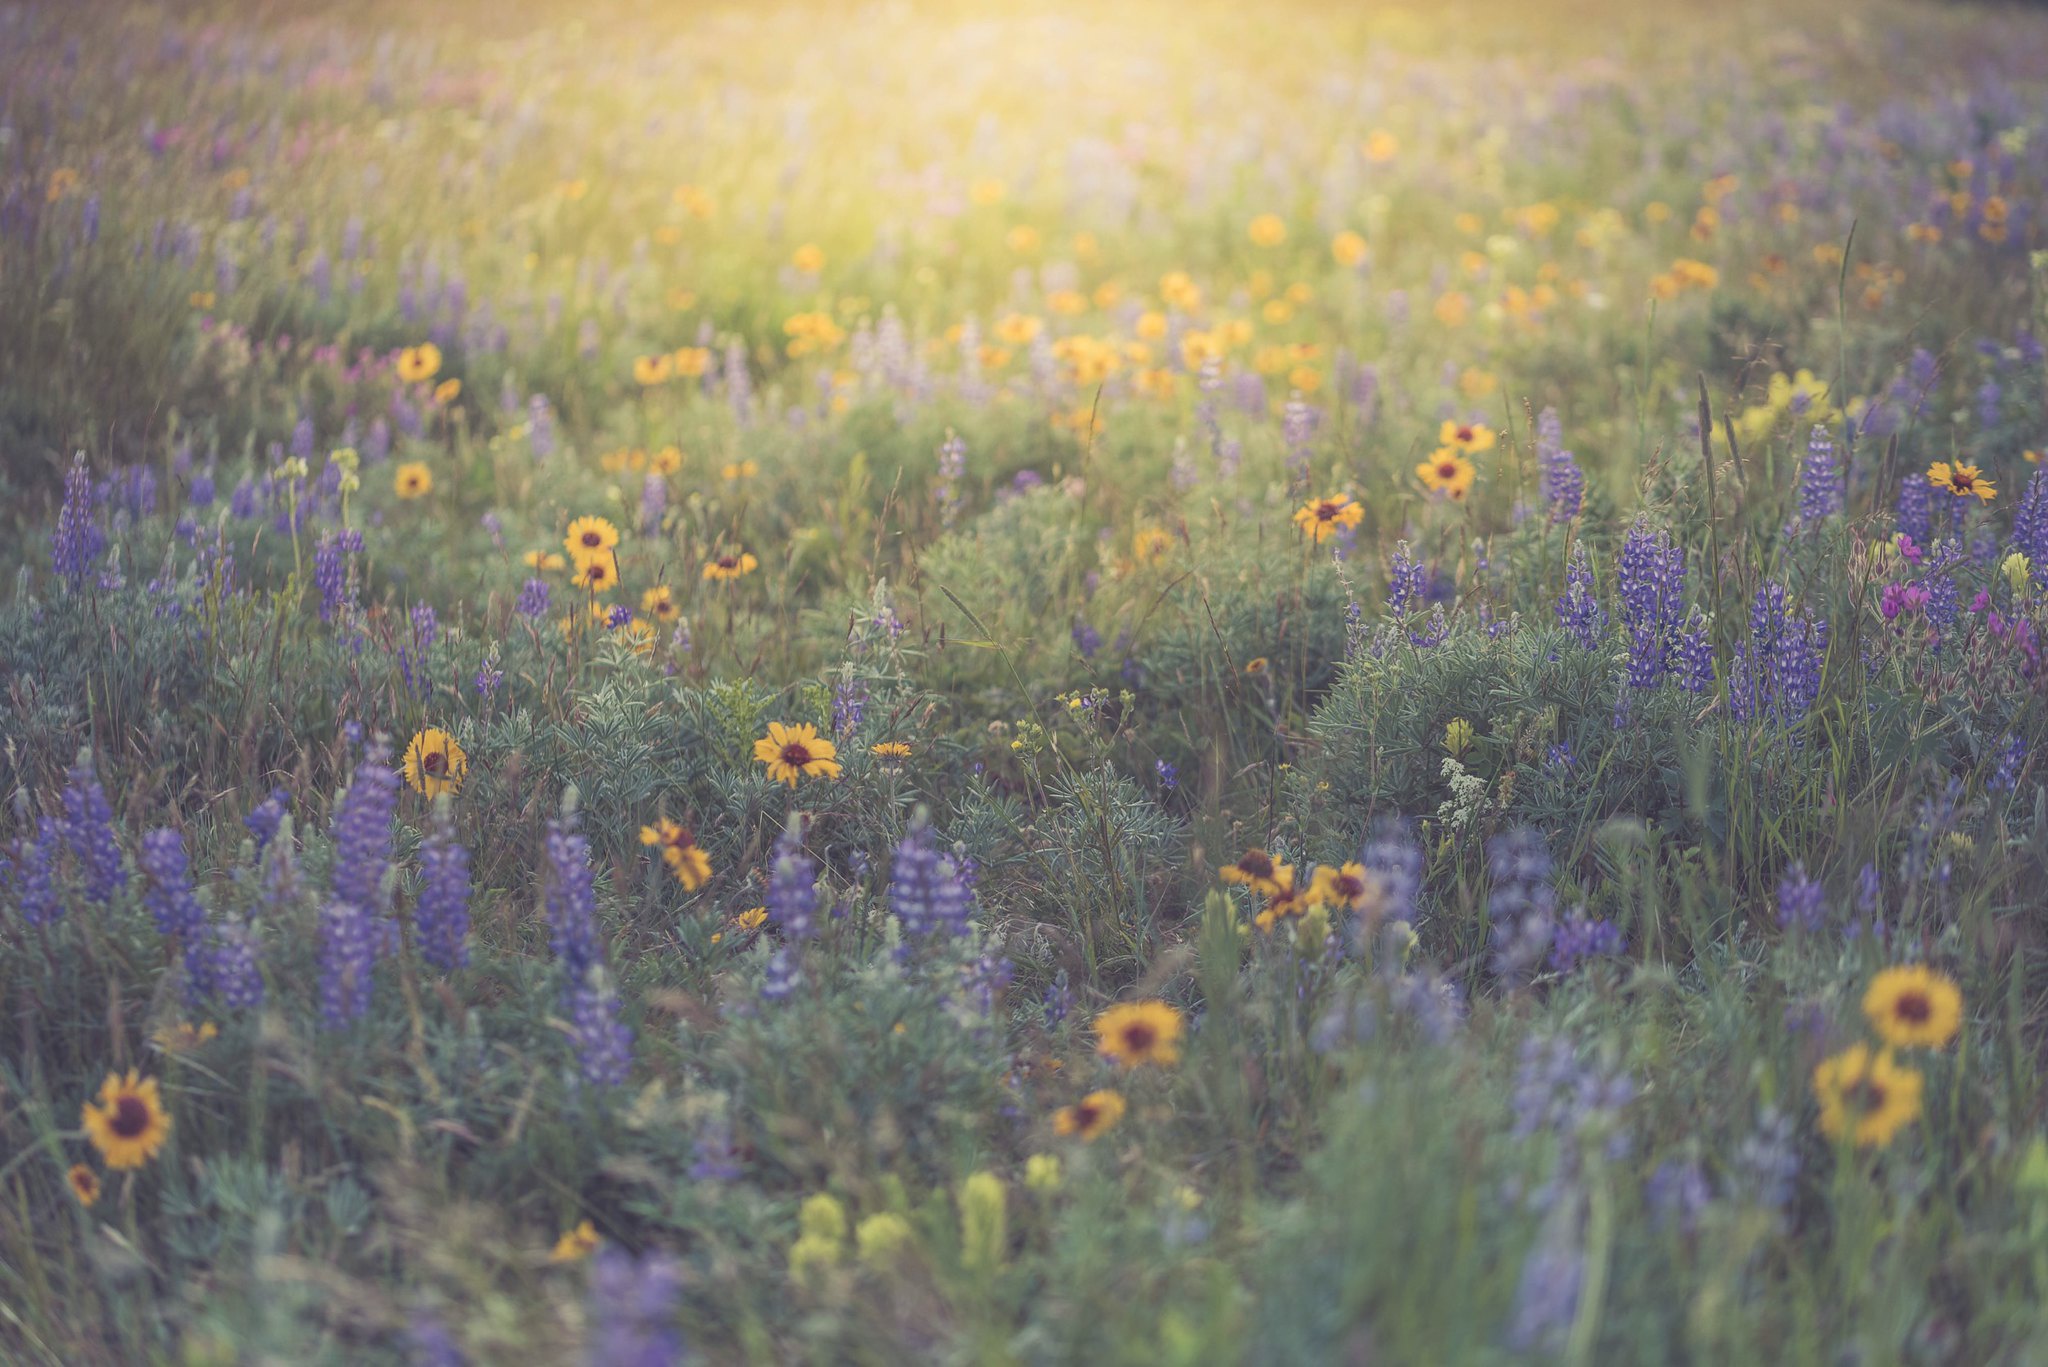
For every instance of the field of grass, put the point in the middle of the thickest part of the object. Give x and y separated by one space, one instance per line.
994 683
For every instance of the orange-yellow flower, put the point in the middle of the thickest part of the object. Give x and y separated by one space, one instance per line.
793 752
1321 517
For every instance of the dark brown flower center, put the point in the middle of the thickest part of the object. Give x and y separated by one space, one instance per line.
1865 1096
131 1118
592 540
1085 1115
796 755
1464 434
726 562
1914 1008
435 764
1257 863
1349 888
1140 1037
1446 470
1327 511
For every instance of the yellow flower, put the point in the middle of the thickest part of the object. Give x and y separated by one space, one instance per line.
666 461
1267 230
1151 544
1132 1033
1347 248
1042 1172
809 258
545 560
692 361
576 1244
653 370
660 604
1257 870
2016 568
129 1124
1961 480
1380 147
85 1184
750 920
791 752
590 538
417 363
1348 886
184 1036
1914 1007
1468 437
413 480
1091 1117
1447 472
1258 664
447 392
739 469
1452 309
434 763
600 574
727 567
679 850
892 749
1457 735
1865 1097
1321 517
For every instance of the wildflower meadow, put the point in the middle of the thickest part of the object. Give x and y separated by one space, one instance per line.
1151 683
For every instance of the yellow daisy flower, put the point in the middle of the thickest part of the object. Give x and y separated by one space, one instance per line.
413 480
589 538
417 363
728 567
1866 1096
1321 517
128 1124
791 752
1131 1033
434 763
1090 1117
1914 1007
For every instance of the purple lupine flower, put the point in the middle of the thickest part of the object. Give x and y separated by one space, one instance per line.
425 625
201 494
430 1343
1692 655
1990 398
849 704
1766 1169
2030 524
172 903
714 1157
264 818
489 675
441 918
653 502
349 944
1521 904
33 873
1391 855
233 972
330 571
1579 611
1547 1296
78 540
792 896
1058 999
362 831
1561 481
88 826
1579 938
1168 775
1820 480
2012 759
1557 1094
533 599
1915 516
1802 901
1776 673
1407 582
632 1310
540 427
571 900
1650 578
604 1043
952 471
925 888
619 616
986 978
782 977
1676 1193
